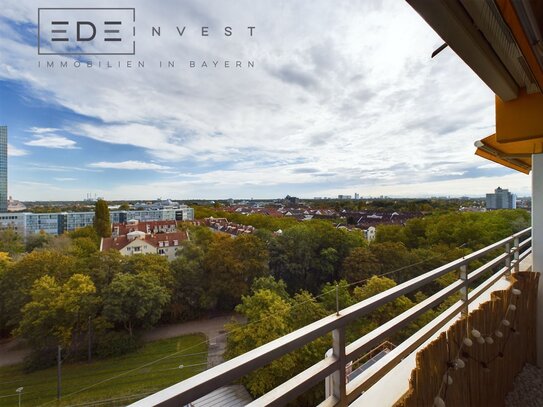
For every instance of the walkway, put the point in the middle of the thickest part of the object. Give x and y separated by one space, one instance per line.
212 328
12 353
528 390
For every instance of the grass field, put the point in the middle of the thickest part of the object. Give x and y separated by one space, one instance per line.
132 376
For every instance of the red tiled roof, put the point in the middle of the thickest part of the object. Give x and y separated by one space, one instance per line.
125 228
118 243
166 237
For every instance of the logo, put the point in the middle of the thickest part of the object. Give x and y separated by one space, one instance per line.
86 31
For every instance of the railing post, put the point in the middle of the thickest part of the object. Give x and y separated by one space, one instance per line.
517 254
537 245
339 376
508 259
464 289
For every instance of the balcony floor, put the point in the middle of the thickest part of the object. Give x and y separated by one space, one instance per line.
528 390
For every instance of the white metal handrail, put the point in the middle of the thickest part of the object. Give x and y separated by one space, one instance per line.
224 374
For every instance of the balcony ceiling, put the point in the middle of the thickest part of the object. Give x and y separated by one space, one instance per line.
512 155
501 41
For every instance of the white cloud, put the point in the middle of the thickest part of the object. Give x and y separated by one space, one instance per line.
129 165
352 92
52 141
42 130
15 151
65 179
57 168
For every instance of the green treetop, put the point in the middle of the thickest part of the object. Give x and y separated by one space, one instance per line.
101 219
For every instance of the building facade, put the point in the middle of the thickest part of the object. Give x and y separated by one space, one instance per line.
3 169
14 221
501 199
57 223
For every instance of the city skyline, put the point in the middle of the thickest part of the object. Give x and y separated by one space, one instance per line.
344 103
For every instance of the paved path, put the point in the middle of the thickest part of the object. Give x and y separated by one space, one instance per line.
212 328
11 352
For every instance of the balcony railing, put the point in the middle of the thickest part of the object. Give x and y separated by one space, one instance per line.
513 250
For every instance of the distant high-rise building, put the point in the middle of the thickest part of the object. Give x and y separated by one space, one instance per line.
3 168
501 199
356 195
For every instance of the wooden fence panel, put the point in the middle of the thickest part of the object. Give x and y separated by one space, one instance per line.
490 368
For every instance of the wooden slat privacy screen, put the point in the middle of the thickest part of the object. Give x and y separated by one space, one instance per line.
489 369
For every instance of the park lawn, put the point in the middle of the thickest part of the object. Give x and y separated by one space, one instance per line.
123 376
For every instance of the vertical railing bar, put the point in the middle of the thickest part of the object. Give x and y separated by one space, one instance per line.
337 300
517 254
464 289
508 259
340 375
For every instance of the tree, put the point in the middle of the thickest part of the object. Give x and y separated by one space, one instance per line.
19 278
11 242
305 310
201 236
37 241
135 301
86 232
269 283
386 312
60 244
269 316
191 295
101 223
311 254
360 264
5 262
252 254
232 265
57 314
102 267
392 256
243 338
328 296
83 247
153 264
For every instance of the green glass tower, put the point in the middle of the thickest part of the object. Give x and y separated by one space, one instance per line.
3 169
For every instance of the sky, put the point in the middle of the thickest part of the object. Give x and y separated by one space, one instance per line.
342 98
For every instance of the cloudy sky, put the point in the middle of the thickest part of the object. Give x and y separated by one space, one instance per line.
343 98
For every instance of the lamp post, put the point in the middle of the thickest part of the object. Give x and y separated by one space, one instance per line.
19 391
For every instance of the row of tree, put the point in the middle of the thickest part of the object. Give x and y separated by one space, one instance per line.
275 308
64 288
